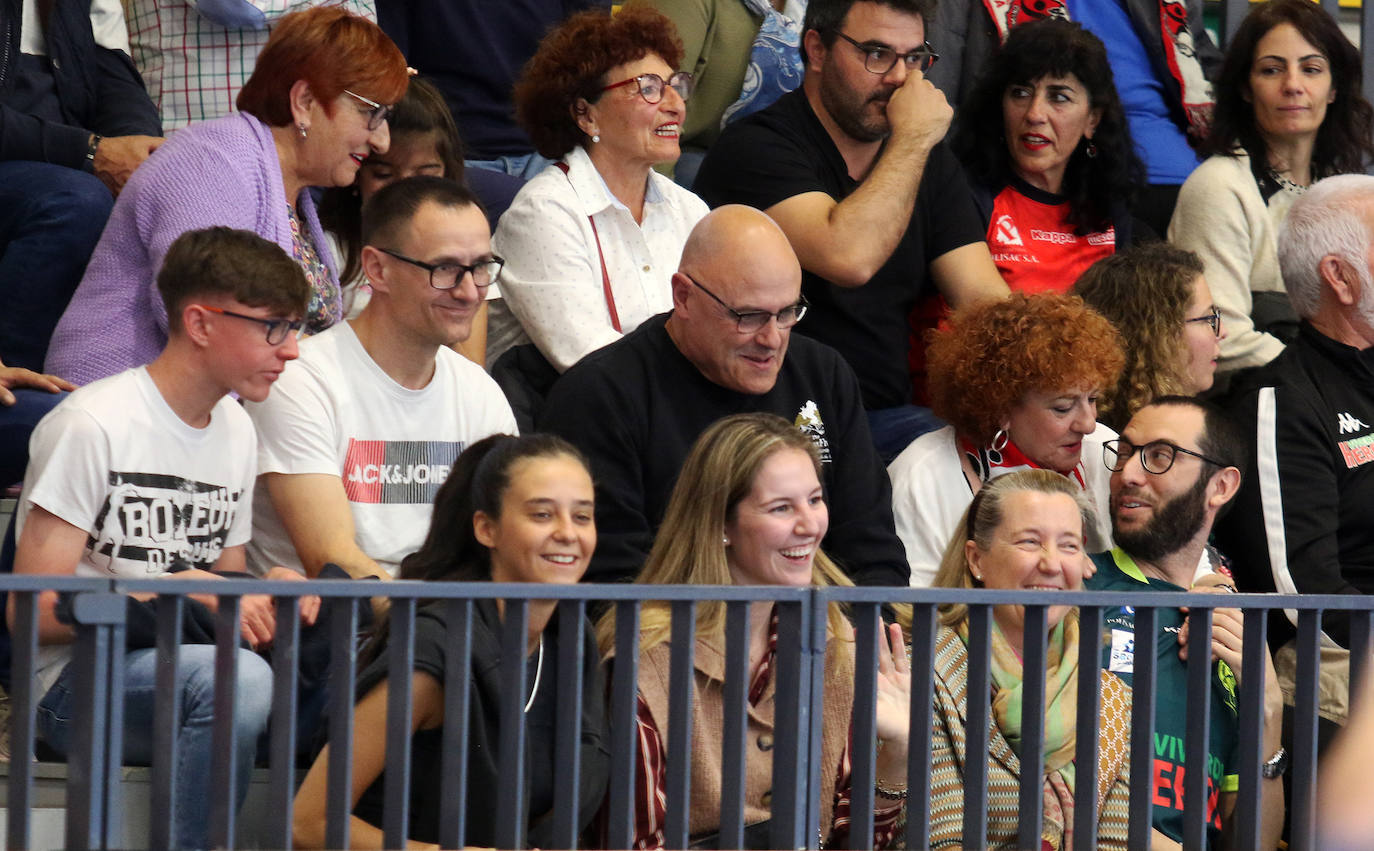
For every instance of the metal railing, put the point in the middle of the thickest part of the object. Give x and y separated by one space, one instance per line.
94 804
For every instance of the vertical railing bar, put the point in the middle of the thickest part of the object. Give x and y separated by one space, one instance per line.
1089 720
1367 41
813 672
976 732
281 782
114 734
863 768
453 767
1032 788
1143 677
1196 741
678 789
511 806
343 659
1247 817
24 699
791 723
166 721
1302 833
86 757
224 767
399 712
734 740
624 736
1361 631
923 622
572 653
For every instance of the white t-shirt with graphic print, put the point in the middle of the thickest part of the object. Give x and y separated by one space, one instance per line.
335 412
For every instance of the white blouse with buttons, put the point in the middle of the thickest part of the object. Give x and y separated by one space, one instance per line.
551 287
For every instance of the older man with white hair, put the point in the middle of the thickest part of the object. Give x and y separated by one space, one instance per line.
1302 518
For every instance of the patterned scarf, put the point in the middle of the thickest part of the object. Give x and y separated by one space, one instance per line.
1061 708
775 64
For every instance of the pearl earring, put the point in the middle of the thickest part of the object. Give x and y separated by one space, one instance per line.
595 138
725 541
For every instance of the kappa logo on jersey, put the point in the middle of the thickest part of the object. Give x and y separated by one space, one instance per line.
1349 423
809 421
1006 231
397 472
162 522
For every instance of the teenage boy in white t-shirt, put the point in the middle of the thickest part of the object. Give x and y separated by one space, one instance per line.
150 473
361 431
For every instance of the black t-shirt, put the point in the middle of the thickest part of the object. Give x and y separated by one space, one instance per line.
426 806
784 151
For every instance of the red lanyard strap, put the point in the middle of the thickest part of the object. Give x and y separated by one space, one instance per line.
605 276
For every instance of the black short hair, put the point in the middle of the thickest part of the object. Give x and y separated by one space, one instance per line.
386 212
1222 438
234 263
826 16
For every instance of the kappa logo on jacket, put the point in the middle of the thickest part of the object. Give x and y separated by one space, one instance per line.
1349 423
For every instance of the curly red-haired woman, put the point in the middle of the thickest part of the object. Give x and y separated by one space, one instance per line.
314 108
592 241
1018 382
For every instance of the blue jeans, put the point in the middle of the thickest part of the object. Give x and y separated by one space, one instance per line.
50 220
196 678
16 424
523 166
894 428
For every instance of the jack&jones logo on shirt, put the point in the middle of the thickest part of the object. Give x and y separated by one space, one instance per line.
159 523
397 472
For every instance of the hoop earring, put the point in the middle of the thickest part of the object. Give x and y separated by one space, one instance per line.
303 129
999 440
1091 149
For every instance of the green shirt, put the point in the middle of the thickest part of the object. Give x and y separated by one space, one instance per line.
1116 571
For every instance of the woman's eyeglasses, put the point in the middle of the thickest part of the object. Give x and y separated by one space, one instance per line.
1213 318
376 113
651 85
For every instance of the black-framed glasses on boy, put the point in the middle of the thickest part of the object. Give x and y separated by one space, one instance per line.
446 276
651 85
1212 318
1156 457
750 321
377 112
879 58
277 329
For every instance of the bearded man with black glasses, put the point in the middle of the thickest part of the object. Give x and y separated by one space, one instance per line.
1175 467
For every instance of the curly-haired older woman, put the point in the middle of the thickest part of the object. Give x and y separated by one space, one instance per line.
1044 138
592 241
1160 303
1289 112
1018 382
314 109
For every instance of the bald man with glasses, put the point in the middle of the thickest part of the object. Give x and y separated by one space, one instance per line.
727 347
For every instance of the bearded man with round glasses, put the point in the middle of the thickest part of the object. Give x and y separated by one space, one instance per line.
1175 467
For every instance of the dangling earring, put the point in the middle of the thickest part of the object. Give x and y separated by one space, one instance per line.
999 440
595 138
303 129
1090 150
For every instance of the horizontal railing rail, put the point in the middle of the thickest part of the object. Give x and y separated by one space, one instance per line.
94 806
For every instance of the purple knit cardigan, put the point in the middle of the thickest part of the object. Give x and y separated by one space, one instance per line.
219 172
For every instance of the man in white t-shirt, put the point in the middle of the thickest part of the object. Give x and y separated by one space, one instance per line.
150 473
362 430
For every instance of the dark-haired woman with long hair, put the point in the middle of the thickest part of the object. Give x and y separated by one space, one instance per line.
1044 138
514 509
1289 111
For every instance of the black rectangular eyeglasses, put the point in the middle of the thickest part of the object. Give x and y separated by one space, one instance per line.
750 321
